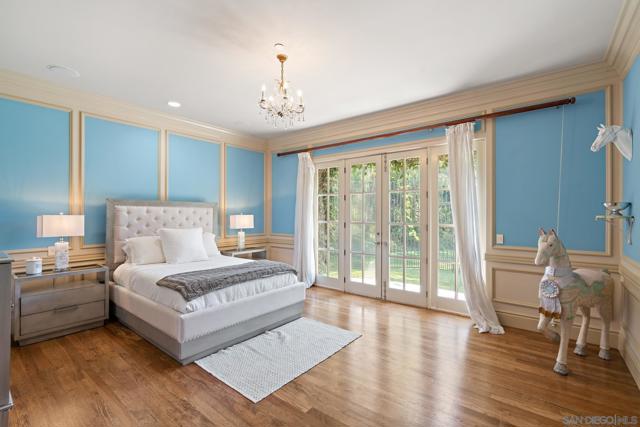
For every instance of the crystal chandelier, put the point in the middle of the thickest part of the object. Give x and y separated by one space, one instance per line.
282 107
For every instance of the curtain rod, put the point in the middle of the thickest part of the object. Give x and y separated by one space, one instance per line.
518 110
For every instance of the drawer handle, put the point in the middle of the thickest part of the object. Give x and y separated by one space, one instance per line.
63 309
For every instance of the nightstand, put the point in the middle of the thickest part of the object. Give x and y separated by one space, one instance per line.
257 253
44 309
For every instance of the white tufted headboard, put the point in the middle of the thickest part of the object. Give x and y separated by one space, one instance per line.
133 218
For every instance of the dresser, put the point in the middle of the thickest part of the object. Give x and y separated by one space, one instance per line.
57 303
6 302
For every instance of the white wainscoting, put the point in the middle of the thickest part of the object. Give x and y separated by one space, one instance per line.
629 341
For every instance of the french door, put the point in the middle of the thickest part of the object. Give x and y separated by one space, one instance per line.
372 226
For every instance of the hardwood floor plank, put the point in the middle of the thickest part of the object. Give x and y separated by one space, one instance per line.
411 367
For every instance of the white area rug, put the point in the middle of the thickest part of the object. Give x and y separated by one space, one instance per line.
259 366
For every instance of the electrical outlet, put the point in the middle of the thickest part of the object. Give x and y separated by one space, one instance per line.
499 239
51 250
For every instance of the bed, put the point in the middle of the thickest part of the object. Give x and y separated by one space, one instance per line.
190 330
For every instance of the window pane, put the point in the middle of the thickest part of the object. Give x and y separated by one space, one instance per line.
322 235
412 173
332 236
370 208
444 208
370 238
356 237
370 269
412 208
397 240
396 177
396 273
370 178
356 207
322 208
446 262
356 268
356 178
333 180
322 262
412 275
396 203
413 241
443 171
322 181
333 208
333 265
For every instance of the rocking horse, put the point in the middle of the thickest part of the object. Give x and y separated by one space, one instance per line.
563 290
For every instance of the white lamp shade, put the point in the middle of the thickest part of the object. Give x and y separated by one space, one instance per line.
240 222
60 225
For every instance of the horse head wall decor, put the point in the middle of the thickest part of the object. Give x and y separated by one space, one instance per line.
621 138
562 290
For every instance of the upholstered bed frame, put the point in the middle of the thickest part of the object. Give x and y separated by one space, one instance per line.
188 336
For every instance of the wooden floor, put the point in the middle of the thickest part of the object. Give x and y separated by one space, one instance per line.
412 367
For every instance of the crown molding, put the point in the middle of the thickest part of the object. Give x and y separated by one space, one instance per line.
624 46
537 88
29 89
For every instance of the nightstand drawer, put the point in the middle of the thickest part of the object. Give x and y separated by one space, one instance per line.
80 293
61 316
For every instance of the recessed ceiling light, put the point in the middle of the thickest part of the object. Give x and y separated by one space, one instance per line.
174 104
63 69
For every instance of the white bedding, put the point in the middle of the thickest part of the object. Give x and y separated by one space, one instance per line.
142 279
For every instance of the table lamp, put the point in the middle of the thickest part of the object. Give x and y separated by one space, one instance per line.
240 222
61 226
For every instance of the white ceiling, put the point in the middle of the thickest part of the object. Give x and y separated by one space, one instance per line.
349 57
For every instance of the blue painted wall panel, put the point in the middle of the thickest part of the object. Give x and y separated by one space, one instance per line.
527 175
194 170
121 162
34 170
245 186
631 184
283 193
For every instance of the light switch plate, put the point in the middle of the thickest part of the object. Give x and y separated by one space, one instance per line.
51 250
499 239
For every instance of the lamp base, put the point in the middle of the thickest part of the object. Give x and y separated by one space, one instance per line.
62 255
240 240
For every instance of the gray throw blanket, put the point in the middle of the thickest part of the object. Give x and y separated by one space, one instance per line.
194 284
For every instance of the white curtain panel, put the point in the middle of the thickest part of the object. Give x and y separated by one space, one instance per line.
304 258
464 207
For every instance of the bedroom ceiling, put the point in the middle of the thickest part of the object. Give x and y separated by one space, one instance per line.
349 57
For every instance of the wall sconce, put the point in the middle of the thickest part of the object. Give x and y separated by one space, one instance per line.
614 212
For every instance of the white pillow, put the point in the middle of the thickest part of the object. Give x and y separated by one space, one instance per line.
144 250
183 245
209 240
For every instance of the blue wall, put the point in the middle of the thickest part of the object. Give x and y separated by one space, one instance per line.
283 193
527 172
631 183
245 186
120 162
34 170
194 170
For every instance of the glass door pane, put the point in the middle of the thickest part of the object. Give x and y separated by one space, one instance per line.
328 210
448 291
362 226
405 227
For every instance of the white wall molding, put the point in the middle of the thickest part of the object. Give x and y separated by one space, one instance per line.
630 271
29 89
625 41
630 327
538 88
